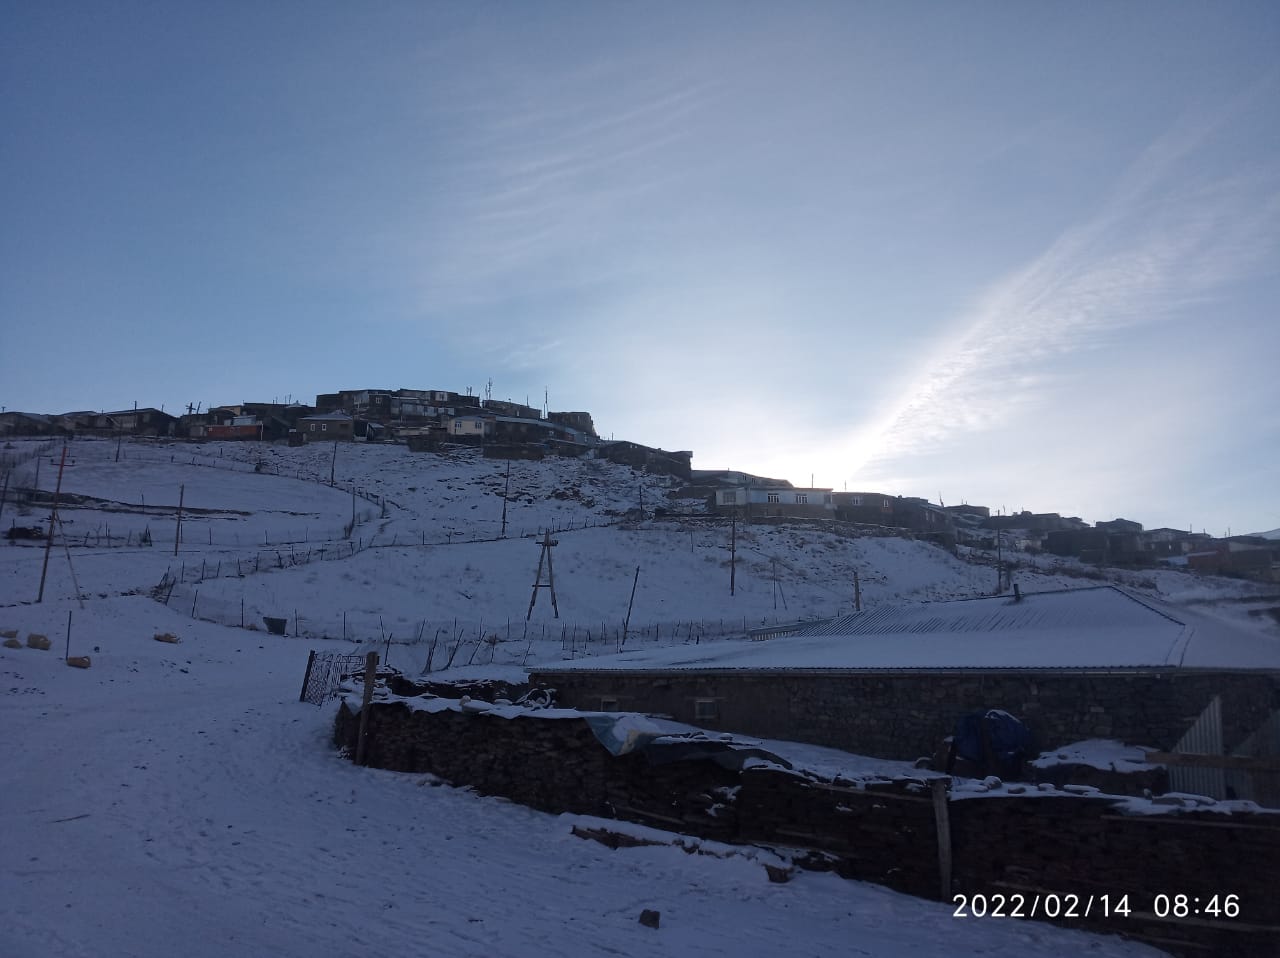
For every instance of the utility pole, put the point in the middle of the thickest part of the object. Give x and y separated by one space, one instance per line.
857 592
999 561
626 624
333 464
733 553
177 536
547 544
53 521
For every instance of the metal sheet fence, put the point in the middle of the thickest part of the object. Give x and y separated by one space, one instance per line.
1203 738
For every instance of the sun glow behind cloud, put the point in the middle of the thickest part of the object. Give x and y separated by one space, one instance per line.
1158 245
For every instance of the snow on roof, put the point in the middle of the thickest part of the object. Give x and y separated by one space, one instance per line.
1091 628
338 415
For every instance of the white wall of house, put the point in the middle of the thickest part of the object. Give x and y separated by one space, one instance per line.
469 426
775 498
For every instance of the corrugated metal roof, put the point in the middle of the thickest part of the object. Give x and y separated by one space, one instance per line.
1095 628
1101 606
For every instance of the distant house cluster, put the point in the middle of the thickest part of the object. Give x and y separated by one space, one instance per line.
1120 542
758 497
424 419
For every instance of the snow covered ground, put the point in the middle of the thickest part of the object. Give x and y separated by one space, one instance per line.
179 797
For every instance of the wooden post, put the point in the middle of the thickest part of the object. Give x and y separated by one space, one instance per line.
177 536
306 678
857 592
733 554
999 561
942 821
505 493
627 623
68 655
53 521
370 677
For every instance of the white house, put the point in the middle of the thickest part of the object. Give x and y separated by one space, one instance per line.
762 501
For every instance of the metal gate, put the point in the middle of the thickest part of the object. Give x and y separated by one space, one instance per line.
325 672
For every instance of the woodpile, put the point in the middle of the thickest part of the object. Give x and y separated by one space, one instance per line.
882 831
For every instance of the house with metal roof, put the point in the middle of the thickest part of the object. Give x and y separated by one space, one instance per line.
326 427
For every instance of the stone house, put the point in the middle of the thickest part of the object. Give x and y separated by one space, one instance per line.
327 427
581 421
870 508
147 421
27 424
647 458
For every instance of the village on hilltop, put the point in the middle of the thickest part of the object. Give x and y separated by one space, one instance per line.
428 420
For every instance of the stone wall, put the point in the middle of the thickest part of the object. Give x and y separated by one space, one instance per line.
885 832
904 715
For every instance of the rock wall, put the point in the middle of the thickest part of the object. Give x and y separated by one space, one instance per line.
903 715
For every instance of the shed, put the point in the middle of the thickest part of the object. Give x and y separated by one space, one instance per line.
891 682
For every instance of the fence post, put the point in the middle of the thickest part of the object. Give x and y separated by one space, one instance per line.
370 677
306 678
942 820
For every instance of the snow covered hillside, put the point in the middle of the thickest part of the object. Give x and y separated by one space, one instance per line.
264 534
178 797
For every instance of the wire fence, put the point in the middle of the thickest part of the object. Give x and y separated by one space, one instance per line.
433 644
12 458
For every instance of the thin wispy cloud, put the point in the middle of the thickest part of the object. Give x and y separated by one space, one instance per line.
534 189
1155 247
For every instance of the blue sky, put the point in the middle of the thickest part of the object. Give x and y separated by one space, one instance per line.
1017 254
